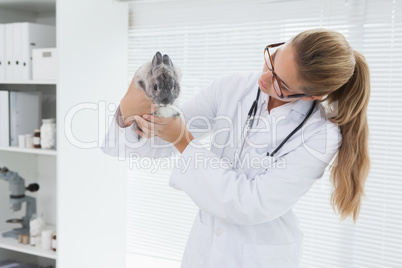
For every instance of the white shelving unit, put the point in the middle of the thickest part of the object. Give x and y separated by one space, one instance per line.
28 82
13 244
28 151
82 191
34 165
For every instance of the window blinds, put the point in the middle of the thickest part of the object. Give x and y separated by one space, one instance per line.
207 39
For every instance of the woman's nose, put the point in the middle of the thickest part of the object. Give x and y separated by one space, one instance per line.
266 75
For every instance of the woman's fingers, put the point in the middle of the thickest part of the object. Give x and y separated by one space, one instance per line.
170 129
151 126
143 125
154 119
150 129
140 133
156 123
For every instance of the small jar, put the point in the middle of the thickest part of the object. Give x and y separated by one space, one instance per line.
25 239
36 225
48 133
21 141
20 238
32 239
29 141
33 230
47 239
36 139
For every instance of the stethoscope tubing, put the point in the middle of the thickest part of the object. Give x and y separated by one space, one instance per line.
249 124
294 130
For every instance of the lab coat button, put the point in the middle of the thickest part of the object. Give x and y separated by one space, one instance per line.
218 232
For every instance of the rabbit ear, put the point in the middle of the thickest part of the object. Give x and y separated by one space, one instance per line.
142 84
157 60
167 61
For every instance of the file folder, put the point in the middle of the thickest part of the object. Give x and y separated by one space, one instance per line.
21 38
2 52
17 52
25 114
9 51
34 36
4 119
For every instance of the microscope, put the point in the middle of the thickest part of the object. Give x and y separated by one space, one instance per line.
17 197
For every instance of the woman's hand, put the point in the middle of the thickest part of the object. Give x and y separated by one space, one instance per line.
135 102
170 129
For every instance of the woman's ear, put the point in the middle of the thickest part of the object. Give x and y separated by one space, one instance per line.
312 98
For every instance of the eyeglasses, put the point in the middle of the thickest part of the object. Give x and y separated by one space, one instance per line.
275 79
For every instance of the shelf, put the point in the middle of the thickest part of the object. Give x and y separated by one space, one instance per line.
35 6
28 151
28 82
13 244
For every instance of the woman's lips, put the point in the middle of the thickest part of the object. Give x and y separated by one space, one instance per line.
262 83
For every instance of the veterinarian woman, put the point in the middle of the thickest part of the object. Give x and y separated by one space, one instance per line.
248 182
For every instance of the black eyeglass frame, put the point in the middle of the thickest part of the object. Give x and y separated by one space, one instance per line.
275 76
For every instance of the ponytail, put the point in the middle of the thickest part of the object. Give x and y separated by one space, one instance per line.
352 163
329 67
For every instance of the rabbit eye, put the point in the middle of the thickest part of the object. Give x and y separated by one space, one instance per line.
155 87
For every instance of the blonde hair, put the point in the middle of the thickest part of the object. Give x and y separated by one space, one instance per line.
329 67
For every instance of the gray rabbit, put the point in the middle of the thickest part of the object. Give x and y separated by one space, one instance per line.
160 80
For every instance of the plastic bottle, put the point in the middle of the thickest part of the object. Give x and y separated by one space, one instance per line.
48 133
36 139
36 225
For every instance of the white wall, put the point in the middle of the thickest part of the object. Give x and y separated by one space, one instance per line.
92 44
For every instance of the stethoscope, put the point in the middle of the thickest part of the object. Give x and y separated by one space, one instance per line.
249 124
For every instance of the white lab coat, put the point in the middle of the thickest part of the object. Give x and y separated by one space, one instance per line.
245 217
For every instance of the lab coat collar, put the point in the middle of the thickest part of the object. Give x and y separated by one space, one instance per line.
299 106
302 106
281 110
